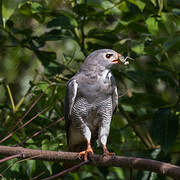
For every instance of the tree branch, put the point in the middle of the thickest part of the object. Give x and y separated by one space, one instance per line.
67 170
119 161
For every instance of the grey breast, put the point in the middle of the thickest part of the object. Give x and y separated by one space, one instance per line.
94 98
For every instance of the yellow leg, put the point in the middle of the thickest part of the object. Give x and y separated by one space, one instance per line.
85 153
106 152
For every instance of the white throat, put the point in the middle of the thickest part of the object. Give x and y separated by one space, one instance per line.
106 74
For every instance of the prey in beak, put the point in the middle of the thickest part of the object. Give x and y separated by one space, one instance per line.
122 59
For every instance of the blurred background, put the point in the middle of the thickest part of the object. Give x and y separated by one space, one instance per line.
44 42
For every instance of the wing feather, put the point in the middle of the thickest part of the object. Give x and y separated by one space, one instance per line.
71 93
114 95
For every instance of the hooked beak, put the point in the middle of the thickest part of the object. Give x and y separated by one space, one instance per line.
122 59
116 61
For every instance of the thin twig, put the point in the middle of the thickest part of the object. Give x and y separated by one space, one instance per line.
36 177
72 58
39 132
126 115
131 173
8 136
9 157
67 170
22 160
123 94
11 97
31 107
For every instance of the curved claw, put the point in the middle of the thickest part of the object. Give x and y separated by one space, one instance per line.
106 152
109 153
85 153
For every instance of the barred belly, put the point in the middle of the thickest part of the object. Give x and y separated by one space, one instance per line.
91 114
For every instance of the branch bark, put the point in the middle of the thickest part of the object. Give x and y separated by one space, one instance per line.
118 161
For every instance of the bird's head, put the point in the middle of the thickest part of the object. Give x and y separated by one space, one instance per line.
106 58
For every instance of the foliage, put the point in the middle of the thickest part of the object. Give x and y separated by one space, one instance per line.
43 43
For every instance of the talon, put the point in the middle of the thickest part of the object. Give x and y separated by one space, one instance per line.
86 153
106 152
109 153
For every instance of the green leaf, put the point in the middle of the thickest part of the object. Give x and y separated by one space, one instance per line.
16 166
141 5
36 7
16 138
160 3
144 99
170 22
152 25
61 21
64 20
31 167
33 10
123 7
106 4
8 8
46 57
171 42
165 128
84 9
139 48
48 166
43 86
98 3
119 172
25 9
154 2
53 35
144 175
54 69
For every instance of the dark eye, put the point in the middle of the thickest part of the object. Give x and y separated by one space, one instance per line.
108 55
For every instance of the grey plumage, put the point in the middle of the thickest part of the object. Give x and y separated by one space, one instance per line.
91 98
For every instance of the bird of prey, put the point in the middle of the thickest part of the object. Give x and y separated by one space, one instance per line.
91 98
